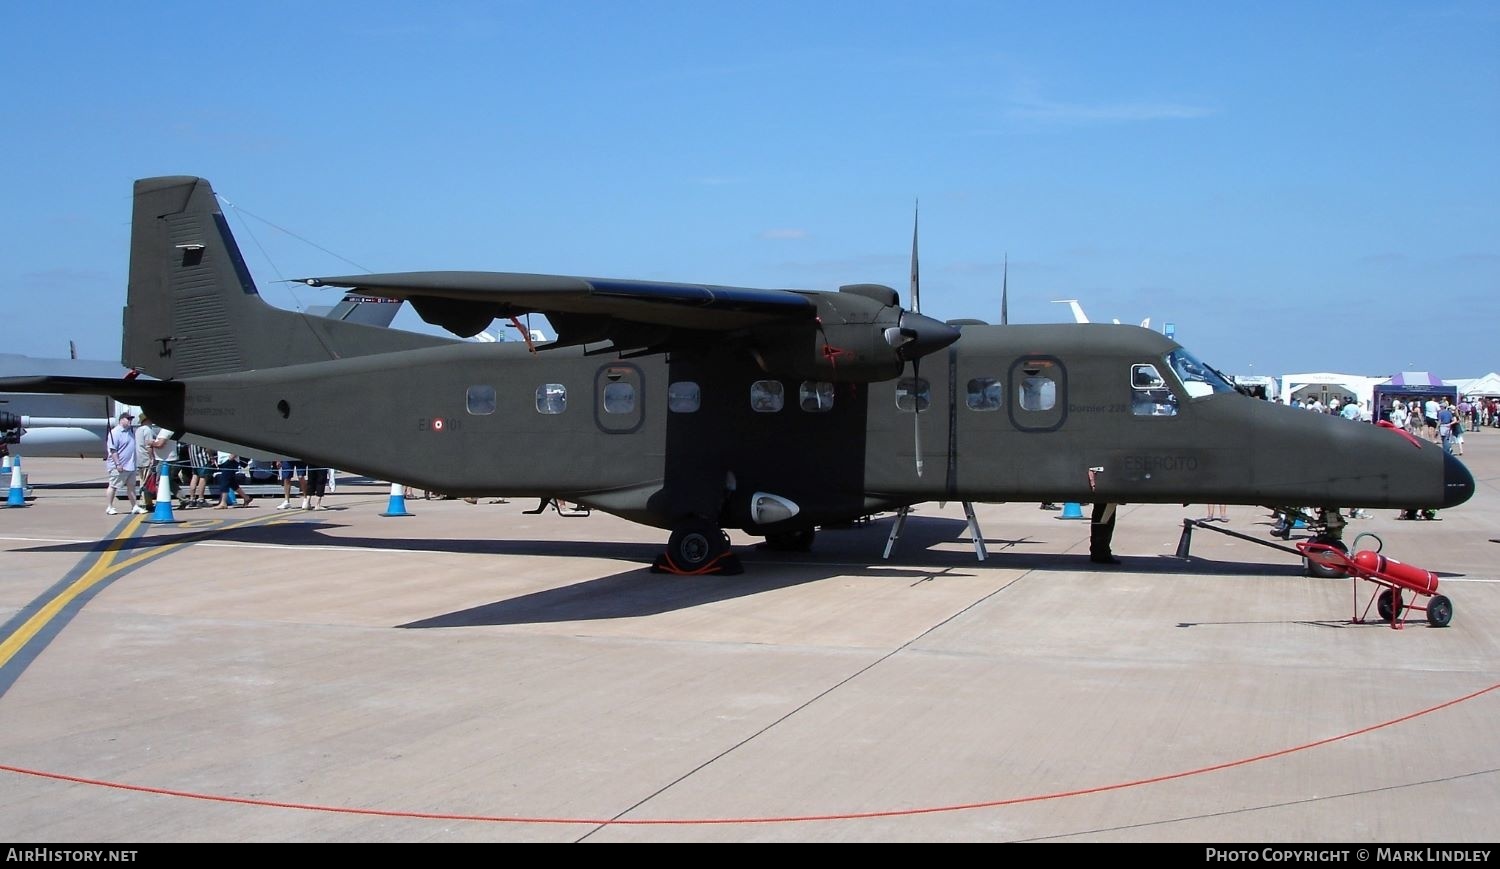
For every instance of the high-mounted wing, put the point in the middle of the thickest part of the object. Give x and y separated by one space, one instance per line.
466 302
857 334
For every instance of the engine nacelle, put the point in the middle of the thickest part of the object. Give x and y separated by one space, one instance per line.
860 336
10 428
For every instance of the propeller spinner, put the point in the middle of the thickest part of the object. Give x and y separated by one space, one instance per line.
917 335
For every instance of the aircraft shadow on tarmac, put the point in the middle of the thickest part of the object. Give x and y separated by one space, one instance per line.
851 551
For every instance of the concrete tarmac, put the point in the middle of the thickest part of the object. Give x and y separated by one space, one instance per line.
470 673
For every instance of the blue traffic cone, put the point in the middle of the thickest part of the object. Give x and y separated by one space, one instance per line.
17 497
397 505
163 513
1071 510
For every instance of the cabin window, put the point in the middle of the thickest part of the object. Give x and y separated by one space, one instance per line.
913 393
619 398
984 394
767 396
1149 395
1038 393
1039 386
480 400
684 397
816 396
551 398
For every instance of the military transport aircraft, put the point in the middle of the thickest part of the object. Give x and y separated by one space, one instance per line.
697 407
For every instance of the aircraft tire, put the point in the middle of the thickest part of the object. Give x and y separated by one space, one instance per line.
693 546
1323 571
1387 604
1439 611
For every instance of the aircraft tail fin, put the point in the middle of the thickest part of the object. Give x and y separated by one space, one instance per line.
193 309
1078 315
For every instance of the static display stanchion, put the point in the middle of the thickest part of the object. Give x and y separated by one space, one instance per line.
162 515
397 505
17 497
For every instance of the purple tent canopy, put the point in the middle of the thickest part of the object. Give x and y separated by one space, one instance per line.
1416 378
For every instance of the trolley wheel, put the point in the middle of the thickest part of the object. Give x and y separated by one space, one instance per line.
1327 571
1389 604
1439 611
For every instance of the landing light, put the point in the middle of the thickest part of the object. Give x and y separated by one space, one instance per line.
768 509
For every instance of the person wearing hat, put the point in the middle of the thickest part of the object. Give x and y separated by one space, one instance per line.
119 463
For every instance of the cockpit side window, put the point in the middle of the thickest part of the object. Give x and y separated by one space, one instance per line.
1149 394
1197 379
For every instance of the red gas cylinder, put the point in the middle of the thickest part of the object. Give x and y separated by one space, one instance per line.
1396 573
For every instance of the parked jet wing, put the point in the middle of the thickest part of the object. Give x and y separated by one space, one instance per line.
126 390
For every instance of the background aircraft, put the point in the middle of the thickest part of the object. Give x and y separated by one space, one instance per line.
699 407
1080 317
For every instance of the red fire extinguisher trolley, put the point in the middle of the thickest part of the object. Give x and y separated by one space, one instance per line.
1400 586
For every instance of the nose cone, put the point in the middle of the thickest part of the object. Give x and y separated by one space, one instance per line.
1458 483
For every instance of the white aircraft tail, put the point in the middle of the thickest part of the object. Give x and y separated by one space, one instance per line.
1078 315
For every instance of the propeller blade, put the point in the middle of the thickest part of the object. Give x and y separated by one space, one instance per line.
916 407
916 285
1004 291
917 340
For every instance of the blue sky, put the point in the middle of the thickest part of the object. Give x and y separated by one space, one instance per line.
1298 186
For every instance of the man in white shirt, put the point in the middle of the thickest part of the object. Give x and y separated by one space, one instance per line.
119 464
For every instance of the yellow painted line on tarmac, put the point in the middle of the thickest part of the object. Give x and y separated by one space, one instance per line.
105 567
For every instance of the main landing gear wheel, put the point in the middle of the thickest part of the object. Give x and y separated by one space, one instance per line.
1327 571
791 541
1439 611
694 546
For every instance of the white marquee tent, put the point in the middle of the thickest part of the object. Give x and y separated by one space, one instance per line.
1487 386
1327 385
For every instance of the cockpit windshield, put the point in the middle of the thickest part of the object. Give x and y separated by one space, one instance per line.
1198 379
